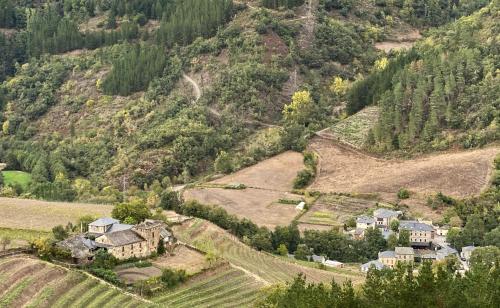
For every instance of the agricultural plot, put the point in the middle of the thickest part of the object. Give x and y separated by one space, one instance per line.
458 174
258 205
334 210
265 267
228 287
43 215
29 282
275 173
130 275
21 238
183 258
354 129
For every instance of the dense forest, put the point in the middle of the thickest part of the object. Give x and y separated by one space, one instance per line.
445 86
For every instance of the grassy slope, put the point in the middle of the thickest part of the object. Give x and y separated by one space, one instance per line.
16 177
268 268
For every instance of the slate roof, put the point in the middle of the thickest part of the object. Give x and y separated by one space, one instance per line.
119 227
79 246
404 251
385 213
125 237
386 233
387 254
105 221
414 226
332 263
316 258
365 220
376 263
149 223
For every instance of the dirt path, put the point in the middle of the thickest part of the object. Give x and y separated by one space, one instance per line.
196 87
249 273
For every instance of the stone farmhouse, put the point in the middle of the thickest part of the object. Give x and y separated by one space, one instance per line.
123 241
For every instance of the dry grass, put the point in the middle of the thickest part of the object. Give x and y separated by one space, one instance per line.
258 205
43 215
267 182
457 174
276 173
183 258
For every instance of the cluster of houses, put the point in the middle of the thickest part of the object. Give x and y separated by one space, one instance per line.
123 241
423 240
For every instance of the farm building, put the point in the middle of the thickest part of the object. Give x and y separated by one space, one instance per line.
81 249
123 241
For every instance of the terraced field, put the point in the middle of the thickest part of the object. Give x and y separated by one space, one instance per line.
354 129
267 268
228 288
29 282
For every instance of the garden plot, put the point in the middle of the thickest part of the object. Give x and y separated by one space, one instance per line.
333 211
133 274
183 258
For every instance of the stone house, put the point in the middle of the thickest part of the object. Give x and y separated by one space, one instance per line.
404 254
364 222
421 234
81 249
387 258
384 217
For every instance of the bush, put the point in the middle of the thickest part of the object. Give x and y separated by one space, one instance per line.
304 177
403 193
106 274
171 278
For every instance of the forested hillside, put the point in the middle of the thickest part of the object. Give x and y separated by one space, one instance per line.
93 94
443 92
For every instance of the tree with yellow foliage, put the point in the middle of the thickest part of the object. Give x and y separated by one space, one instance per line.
339 86
300 109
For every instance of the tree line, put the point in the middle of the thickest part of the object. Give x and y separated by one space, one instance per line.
274 4
434 286
192 19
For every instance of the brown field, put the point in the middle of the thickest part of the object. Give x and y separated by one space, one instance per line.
258 205
133 274
43 215
267 182
333 211
184 258
276 173
457 174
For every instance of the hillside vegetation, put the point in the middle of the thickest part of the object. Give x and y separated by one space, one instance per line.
441 93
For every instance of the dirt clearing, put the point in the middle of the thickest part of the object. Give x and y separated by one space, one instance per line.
275 173
259 205
458 174
43 215
183 258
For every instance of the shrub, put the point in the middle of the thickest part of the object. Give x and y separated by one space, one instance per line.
304 177
403 193
171 278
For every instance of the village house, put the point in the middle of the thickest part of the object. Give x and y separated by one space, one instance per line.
442 231
364 222
421 234
404 254
384 217
374 263
390 258
466 253
333 263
